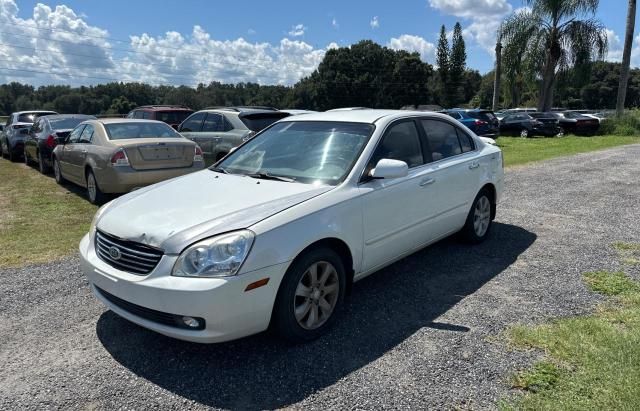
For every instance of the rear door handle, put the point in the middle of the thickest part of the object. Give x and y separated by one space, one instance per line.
473 165
427 181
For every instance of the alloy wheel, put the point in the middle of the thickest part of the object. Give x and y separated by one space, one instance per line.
524 133
481 216
316 295
56 171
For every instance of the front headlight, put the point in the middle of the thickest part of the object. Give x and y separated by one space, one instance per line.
94 222
218 256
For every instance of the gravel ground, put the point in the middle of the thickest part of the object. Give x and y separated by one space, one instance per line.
421 333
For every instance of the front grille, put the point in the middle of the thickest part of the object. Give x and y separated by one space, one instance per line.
127 256
172 320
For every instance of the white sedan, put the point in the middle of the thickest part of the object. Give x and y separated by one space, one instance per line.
275 233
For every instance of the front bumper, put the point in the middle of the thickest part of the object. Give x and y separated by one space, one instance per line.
228 310
126 179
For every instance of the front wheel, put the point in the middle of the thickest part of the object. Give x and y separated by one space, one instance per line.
310 296
57 173
41 165
479 220
524 133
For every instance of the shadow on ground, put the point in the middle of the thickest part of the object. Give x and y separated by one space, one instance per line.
383 310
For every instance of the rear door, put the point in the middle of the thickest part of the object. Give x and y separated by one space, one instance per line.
192 126
455 172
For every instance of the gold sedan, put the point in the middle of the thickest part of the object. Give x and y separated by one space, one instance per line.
121 155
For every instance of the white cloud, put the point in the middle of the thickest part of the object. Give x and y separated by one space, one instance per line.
334 23
297 30
374 23
412 43
251 32
616 47
485 17
472 9
64 49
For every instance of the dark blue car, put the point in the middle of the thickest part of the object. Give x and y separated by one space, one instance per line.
481 122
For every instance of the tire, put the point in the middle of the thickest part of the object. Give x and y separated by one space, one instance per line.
12 157
298 291
57 173
94 194
25 157
44 169
479 220
524 133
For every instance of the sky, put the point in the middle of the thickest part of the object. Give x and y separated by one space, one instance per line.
82 42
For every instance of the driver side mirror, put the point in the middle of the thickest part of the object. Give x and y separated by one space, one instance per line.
388 169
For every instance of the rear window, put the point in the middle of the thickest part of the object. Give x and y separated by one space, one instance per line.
482 115
172 117
31 117
66 123
258 121
125 131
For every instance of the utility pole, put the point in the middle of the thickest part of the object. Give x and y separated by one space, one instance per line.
497 73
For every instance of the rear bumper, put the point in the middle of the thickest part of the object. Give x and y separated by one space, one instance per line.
126 179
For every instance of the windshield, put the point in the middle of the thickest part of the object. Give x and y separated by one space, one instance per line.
67 123
305 151
124 131
31 117
173 117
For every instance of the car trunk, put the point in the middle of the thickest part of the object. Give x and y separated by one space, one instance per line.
154 155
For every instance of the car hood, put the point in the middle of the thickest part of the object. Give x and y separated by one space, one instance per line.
178 212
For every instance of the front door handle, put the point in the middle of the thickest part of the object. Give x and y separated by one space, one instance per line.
474 165
427 181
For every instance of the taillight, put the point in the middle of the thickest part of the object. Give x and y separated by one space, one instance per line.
480 123
51 142
197 156
119 159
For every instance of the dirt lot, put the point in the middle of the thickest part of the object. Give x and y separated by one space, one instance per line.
424 332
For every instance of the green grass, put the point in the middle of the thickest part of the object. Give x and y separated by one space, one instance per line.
592 362
518 151
629 252
610 283
40 221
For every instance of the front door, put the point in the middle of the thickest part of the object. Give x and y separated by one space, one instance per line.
66 155
396 212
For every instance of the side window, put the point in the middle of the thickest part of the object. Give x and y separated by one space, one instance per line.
213 122
466 142
400 142
443 139
146 115
74 137
455 115
227 124
137 114
130 115
193 123
87 134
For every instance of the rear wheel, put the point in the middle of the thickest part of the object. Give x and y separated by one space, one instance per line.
479 219
524 133
12 157
310 296
44 169
93 191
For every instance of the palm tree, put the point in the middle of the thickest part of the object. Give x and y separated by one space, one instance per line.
555 35
626 57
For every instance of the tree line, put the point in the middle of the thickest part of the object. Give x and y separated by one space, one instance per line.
364 74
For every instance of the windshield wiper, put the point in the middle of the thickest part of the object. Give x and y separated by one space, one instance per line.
219 170
267 176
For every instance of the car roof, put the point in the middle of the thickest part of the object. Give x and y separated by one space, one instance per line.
370 116
59 116
126 120
240 110
163 107
34 112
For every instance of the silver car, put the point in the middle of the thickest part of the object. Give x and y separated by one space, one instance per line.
218 130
